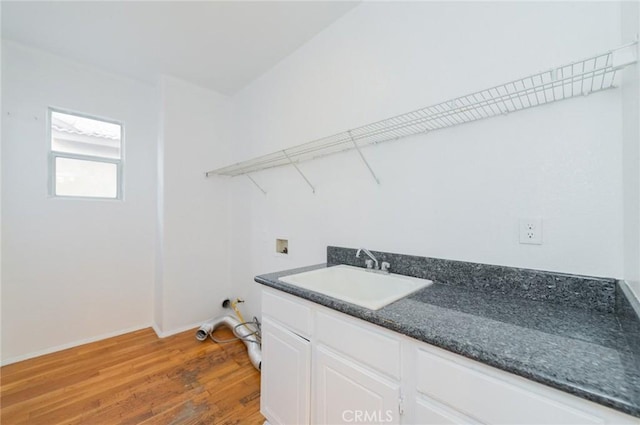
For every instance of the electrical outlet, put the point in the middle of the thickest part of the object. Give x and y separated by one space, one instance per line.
531 231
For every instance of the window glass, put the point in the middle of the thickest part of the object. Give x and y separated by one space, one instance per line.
85 136
85 157
76 177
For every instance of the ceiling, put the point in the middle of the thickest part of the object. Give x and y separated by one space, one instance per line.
221 45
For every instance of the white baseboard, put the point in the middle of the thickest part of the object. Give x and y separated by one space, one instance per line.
164 334
50 350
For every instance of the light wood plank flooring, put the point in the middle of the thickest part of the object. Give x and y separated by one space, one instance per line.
135 378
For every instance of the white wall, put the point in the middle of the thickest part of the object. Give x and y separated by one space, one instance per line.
180 243
73 270
457 193
80 270
631 151
193 268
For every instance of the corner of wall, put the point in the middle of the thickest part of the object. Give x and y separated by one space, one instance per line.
630 28
158 296
192 238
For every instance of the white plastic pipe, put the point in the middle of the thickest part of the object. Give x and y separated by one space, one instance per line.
242 332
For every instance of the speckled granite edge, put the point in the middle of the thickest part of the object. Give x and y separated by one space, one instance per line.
389 316
584 292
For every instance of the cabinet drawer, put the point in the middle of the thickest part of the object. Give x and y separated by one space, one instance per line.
429 413
364 343
287 310
487 398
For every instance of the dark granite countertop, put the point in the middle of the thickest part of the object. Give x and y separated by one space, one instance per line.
584 351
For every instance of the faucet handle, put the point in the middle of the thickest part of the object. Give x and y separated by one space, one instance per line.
369 264
385 266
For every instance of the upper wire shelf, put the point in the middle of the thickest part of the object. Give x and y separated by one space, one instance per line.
594 74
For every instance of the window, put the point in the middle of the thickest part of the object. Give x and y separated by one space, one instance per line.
86 156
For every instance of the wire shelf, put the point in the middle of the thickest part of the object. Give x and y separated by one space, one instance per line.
580 78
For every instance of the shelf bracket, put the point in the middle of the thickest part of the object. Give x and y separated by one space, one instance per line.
256 184
313 189
363 158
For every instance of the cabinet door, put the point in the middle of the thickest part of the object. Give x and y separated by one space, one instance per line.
347 393
286 372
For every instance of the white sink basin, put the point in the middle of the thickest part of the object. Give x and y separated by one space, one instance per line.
358 286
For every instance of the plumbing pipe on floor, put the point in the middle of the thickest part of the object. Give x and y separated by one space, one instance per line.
240 330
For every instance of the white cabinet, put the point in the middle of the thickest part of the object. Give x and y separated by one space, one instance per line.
294 314
324 367
286 360
366 344
285 381
445 388
356 371
487 398
428 412
345 392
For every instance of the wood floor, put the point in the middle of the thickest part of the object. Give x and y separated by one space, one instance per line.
135 378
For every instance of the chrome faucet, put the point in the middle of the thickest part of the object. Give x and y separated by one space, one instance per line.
370 263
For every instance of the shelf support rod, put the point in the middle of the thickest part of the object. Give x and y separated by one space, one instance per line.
313 189
254 182
363 158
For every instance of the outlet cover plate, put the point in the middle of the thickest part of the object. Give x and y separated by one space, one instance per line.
531 231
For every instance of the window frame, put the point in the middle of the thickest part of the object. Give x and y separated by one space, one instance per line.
53 155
